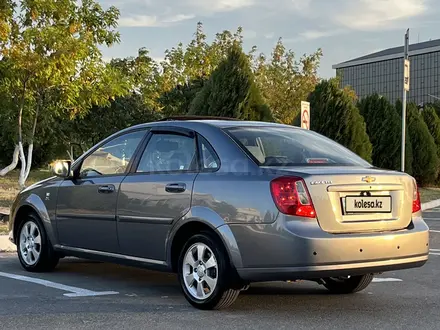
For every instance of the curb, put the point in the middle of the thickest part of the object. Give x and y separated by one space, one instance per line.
431 205
6 245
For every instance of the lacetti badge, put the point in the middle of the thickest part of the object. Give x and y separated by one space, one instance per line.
368 179
321 182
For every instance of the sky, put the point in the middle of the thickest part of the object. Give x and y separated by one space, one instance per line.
343 29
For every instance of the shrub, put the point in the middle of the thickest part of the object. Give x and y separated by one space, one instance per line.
432 120
384 129
426 161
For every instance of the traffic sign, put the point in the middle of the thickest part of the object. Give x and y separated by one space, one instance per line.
305 114
406 76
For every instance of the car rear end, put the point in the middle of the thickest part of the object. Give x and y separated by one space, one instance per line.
338 215
361 200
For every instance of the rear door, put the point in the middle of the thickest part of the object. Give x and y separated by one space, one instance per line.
157 193
86 206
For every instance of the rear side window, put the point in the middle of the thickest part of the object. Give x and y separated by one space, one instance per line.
279 146
168 153
209 158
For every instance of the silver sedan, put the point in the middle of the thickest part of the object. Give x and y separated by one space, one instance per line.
224 203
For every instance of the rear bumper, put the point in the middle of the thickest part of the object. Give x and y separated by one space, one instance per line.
317 272
289 250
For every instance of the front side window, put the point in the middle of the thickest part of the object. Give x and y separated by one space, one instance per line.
168 153
113 157
279 146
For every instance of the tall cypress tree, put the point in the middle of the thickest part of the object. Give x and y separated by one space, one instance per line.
384 130
426 162
432 120
335 115
231 91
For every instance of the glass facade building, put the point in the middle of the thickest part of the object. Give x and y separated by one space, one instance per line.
382 72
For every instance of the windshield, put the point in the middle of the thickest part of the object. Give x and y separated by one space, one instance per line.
279 146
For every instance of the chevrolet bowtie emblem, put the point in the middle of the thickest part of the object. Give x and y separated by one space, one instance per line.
368 179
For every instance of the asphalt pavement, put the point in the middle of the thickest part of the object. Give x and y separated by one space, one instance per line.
82 294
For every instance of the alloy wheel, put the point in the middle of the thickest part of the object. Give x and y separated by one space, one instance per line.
200 271
30 243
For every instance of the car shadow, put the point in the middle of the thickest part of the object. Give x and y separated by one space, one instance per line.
283 288
144 290
147 282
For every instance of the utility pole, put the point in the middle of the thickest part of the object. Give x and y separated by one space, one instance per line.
406 69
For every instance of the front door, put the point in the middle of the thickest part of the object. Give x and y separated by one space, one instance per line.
157 194
86 207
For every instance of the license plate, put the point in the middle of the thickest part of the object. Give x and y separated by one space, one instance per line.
368 204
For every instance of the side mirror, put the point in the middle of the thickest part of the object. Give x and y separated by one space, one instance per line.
62 168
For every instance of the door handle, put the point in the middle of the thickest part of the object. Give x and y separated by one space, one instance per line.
107 189
175 187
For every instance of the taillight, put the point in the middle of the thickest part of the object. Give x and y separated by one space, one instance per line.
417 205
291 197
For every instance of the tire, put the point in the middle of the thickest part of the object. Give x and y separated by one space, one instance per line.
37 254
223 295
348 285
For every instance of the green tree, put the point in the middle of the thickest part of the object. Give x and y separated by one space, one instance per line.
436 106
335 115
178 100
432 120
231 91
187 68
50 51
45 138
144 76
285 81
426 162
384 129
81 133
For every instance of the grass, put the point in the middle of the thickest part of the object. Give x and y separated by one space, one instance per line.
9 185
429 194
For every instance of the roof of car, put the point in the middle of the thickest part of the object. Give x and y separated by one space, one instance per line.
233 123
192 123
213 121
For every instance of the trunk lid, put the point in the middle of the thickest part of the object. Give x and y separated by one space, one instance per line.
357 199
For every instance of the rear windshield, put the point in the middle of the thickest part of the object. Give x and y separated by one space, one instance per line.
279 146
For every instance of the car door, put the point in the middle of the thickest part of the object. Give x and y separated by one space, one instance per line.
157 193
86 206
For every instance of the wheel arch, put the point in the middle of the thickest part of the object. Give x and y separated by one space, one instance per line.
33 204
19 218
195 221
